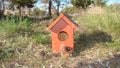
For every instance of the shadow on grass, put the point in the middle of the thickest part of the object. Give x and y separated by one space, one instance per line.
84 41
107 63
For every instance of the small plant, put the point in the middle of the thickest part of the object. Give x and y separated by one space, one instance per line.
6 53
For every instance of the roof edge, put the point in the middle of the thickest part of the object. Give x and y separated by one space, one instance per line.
57 19
69 21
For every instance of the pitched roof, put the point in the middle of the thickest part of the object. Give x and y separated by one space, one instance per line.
68 21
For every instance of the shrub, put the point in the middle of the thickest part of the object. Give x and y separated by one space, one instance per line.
38 12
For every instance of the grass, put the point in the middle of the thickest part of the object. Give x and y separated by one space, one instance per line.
108 23
18 34
24 43
13 26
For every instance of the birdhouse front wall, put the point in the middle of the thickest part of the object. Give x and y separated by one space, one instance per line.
57 43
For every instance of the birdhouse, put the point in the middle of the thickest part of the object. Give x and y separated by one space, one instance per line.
62 30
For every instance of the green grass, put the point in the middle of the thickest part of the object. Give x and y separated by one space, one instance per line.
13 26
41 38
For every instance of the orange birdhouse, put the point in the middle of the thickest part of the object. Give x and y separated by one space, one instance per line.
62 34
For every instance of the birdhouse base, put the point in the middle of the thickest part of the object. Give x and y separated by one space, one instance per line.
66 54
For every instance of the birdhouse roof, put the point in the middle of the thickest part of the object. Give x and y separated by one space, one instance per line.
66 19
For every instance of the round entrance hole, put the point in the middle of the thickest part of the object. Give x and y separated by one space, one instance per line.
62 36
